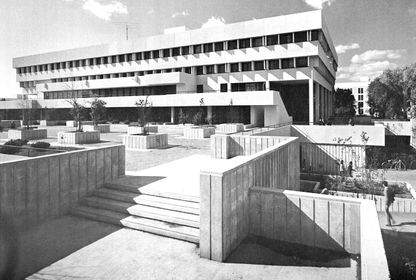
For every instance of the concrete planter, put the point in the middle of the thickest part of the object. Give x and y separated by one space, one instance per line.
73 138
51 123
103 128
230 127
140 129
198 132
118 127
73 124
143 142
27 134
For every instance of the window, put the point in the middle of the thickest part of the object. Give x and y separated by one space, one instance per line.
287 63
197 49
258 65
97 60
232 45
274 64
53 66
360 111
272 40
286 38
199 70
156 54
257 42
360 90
219 46
234 67
129 57
315 35
166 52
113 59
138 56
302 61
121 58
360 97
244 43
301 36
199 88
209 69
176 51
83 62
178 69
167 70
221 68
141 73
208 48
157 71
246 66
187 70
185 50
105 60
224 87
91 61
360 104
146 55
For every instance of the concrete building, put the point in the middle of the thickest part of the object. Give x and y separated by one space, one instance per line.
267 69
359 90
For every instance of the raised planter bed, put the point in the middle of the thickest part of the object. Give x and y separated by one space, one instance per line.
141 130
230 127
118 127
198 132
103 128
72 137
73 124
143 142
51 123
27 134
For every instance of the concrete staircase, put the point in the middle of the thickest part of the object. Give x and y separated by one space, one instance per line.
163 213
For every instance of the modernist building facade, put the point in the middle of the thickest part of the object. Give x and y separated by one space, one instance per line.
252 66
359 90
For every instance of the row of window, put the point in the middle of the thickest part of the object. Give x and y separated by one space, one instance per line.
286 38
284 63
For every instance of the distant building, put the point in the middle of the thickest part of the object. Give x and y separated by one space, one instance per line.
359 90
245 64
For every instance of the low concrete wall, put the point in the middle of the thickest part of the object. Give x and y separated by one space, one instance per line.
118 127
224 194
228 146
230 127
27 134
141 130
142 142
195 132
36 189
103 128
73 124
72 138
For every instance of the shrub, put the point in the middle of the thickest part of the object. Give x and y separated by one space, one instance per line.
198 117
16 142
126 122
10 147
12 125
40 145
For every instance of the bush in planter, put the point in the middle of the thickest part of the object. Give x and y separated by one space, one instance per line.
10 147
78 112
143 107
98 110
198 118
41 145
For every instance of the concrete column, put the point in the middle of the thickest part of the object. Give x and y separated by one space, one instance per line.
257 115
172 114
209 112
311 107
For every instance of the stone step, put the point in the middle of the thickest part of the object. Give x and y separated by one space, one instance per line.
150 212
149 200
180 232
151 191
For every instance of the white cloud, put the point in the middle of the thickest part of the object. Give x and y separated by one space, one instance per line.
213 21
151 11
105 11
183 13
318 4
345 48
374 55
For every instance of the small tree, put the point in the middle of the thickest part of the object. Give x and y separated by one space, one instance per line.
198 117
27 112
98 110
143 107
182 118
77 112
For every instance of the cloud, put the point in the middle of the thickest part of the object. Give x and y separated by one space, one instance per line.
213 21
369 64
151 11
105 11
183 13
374 55
345 48
318 4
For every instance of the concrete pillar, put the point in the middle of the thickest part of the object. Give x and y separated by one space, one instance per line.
172 114
413 132
257 115
209 113
311 107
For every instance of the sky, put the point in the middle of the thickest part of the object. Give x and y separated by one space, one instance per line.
370 35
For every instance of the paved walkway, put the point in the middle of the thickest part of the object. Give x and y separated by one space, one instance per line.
129 254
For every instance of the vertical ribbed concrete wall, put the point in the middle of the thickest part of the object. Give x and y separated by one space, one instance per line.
141 130
103 128
142 142
72 138
230 127
37 189
27 134
314 220
198 132
224 195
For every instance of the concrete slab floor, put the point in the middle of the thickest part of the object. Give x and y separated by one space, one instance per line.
130 254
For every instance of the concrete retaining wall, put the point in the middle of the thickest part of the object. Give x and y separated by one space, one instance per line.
142 142
37 189
72 138
198 132
230 127
27 134
225 198
103 128
141 130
